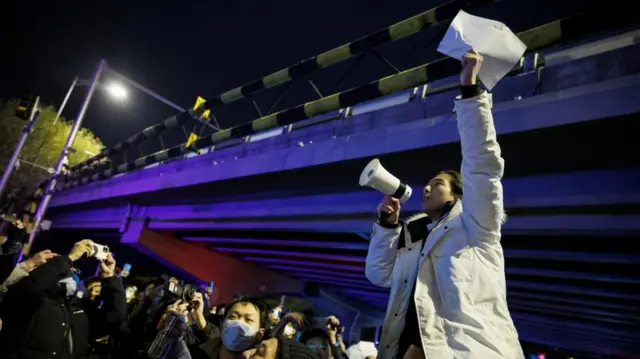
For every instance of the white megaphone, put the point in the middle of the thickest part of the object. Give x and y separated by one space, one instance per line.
377 177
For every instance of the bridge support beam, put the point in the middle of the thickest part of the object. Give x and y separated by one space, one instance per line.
231 276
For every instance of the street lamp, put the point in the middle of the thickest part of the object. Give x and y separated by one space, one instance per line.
117 91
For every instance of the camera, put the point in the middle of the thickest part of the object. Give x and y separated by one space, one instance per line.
182 292
100 252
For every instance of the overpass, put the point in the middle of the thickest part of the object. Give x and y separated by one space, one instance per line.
278 210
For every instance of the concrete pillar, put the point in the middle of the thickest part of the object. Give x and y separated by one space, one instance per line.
231 276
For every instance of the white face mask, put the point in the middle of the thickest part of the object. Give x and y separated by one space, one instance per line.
289 331
70 285
237 335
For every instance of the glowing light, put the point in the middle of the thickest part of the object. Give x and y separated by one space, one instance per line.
117 91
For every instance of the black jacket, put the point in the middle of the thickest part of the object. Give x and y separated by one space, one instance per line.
10 250
40 322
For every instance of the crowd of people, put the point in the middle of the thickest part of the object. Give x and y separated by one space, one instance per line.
48 311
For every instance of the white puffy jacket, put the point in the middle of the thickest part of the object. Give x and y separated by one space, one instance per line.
460 293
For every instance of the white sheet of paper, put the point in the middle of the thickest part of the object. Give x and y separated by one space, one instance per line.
498 45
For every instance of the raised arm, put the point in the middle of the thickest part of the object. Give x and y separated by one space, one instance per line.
482 165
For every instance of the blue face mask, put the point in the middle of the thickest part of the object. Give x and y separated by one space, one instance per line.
70 285
237 335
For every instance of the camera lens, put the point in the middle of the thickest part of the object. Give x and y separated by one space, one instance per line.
189 294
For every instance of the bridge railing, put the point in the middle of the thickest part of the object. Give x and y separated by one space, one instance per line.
425 20
556 32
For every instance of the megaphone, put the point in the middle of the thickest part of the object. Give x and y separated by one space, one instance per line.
377 177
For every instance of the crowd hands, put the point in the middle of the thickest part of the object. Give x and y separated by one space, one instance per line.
47 311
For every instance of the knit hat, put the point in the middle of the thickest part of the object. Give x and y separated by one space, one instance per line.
291 349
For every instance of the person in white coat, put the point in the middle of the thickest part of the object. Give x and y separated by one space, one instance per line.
445 267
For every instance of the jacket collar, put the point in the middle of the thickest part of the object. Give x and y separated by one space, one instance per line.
417 224
455 211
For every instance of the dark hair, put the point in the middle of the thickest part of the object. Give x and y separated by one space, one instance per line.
262 307
314 333
91 280
455 182
291 349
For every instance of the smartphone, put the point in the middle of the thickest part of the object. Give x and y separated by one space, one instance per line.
126 267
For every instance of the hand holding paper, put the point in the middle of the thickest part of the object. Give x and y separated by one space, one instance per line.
471 65
499 47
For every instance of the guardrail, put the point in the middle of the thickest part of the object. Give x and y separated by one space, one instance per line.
555 32
402 29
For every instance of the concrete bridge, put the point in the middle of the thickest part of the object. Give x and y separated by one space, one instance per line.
280 211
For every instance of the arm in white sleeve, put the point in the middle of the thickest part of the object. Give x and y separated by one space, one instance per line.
482 170
19 272
381 256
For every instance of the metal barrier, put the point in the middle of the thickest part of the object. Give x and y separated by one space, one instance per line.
405 28
555 32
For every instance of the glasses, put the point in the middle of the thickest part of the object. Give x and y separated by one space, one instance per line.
316 346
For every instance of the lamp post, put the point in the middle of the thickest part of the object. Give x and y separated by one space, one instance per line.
44 202
117 91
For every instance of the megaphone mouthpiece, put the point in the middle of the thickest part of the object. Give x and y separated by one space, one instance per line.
377 177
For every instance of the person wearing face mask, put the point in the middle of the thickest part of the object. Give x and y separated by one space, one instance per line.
289 331
105 298
242 328
45 319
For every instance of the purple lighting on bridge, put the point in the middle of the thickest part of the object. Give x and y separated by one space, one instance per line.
280 242
340 267
303 270
574 290
272 252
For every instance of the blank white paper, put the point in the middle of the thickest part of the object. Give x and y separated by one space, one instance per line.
498 45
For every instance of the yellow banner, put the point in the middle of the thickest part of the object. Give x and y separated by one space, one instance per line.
193 137
199 102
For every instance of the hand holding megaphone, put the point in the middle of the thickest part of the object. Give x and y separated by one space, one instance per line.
377 177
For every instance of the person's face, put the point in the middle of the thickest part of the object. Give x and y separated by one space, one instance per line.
159 291
130 293
93 290
320 347
289 331
437 193
245 312
267 349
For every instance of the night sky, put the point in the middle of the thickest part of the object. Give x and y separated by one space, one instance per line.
182 49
